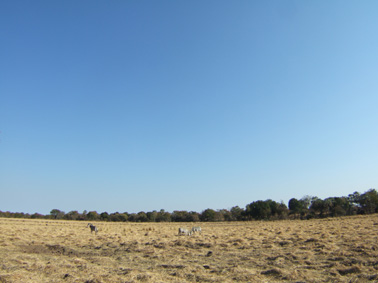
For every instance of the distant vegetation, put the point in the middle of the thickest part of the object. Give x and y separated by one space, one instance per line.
305 208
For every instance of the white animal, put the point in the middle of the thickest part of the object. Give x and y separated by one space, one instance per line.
183 231
196 229
93 228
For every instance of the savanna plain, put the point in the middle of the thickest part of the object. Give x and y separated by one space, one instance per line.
321 250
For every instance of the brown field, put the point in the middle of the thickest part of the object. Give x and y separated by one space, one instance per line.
328 250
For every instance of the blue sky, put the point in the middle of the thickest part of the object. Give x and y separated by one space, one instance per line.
185 105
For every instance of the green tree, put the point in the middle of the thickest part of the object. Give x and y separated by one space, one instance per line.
299 207
319 208
142 217
56 214
369 202
355 199
163 216
152 216
83 216
104 216
306 201
259 210
93 215
132 217
208 215
181 216
226 215
36 216
119 217
335 206
194 216
277 210
281 211
72 215
237 213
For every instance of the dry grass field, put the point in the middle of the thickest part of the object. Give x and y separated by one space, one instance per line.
328 250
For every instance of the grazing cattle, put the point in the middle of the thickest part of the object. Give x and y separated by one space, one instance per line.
197 229
183 231
93 228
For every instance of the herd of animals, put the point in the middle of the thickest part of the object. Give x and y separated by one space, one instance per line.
181 231
187 232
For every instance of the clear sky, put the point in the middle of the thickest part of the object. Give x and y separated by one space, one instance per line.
185 105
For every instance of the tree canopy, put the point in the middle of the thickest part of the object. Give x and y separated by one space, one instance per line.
305 208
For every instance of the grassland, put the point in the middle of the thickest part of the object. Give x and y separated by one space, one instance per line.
328 250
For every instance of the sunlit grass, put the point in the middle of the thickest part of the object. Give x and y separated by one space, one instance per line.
332 250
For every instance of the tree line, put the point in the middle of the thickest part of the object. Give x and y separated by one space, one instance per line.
305 208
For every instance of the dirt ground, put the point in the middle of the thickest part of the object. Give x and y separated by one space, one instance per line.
327 250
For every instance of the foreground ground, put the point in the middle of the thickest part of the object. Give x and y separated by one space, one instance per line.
328 250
